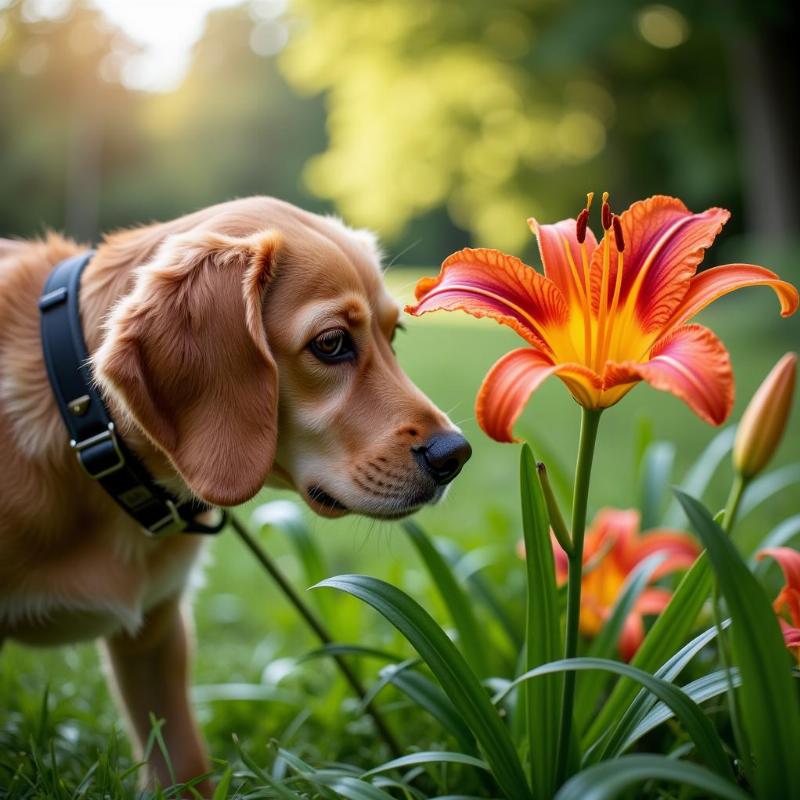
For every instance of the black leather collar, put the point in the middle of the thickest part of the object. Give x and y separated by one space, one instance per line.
93 435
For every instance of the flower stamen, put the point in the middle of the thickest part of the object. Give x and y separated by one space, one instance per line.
619 240
606 219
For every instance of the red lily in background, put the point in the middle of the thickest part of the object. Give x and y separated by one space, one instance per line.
788 598
603 317
612 549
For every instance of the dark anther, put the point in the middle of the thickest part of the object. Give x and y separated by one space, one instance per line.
618 237
581 223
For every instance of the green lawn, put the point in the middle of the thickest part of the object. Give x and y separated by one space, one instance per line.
249 639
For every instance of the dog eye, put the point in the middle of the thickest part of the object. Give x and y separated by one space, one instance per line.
333 346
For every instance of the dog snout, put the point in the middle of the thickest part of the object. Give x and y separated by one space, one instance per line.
443 455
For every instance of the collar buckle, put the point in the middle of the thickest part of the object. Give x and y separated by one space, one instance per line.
172 522
100 455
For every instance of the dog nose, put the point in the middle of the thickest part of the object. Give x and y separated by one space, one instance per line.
443 455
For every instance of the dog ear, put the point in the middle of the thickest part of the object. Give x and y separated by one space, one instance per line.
186 355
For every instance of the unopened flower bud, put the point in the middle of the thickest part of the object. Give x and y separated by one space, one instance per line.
764 420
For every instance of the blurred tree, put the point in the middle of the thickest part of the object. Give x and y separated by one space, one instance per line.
445 120
81 153
60 104
504 110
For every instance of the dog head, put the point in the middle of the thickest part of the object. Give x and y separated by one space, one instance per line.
256 348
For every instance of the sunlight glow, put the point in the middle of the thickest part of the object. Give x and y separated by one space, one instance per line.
166 30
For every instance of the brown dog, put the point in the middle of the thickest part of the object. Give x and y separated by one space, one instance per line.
243 345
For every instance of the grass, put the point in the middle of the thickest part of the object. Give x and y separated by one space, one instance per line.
58 723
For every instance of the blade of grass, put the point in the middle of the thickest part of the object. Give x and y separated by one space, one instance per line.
459 605
456 678
428 757
540 699
769 706
611 778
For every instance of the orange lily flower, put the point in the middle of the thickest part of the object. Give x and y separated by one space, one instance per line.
613 547
603 317
788 598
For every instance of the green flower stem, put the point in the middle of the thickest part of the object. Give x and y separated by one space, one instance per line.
734 499
580 497
728 520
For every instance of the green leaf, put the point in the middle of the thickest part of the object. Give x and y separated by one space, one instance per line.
780 536
468 569
644 701
608 780
428 696
560 477
541 700
224 785
384 679
349 787
699 476
768 700
766 486
700 690
454 597
456 678
280 790
666 636
428 757
605 644
690 715
654 482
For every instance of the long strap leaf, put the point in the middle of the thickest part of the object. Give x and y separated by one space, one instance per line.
691 716
454 597
665 637
605 644
608 780
540 700
770 710
451 670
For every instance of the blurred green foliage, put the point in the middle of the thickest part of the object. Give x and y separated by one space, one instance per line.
434 122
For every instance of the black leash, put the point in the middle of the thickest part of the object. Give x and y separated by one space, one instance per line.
93 435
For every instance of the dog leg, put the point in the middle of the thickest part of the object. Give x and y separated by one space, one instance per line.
151 674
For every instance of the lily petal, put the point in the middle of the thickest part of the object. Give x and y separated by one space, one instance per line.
488 283
680 550
561 256
651 601
708 286
691 363
510 383
664 244
631 636
789 562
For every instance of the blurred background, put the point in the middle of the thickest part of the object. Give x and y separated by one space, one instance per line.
439 124
434 122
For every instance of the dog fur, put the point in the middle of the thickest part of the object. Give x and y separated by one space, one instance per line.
199 331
